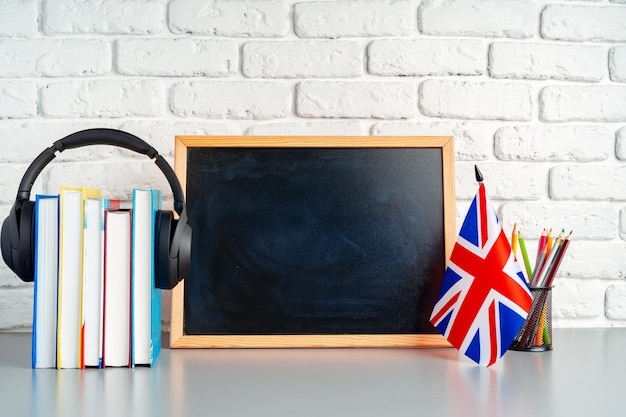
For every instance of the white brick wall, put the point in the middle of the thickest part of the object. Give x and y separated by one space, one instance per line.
583 23
264 19
19 18
177 57
481 18
383 100
129 17
317 59
538 61
534 92
426 57
476 100
617 63
318 19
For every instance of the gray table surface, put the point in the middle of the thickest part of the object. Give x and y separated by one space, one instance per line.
585 375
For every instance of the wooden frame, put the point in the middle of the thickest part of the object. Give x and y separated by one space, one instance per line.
178 339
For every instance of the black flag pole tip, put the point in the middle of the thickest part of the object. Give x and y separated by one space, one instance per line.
479 175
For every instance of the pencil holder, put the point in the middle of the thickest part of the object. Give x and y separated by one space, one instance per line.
536 333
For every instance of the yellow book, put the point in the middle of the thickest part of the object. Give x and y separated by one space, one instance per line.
70 287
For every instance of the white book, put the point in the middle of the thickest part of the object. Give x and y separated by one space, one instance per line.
46 273
117 288
93 273
92 270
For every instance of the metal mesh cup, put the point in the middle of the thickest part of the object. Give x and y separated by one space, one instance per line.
536 333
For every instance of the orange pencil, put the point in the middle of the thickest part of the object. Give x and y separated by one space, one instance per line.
549 241
514 238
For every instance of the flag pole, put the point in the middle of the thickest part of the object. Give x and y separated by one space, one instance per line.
479 175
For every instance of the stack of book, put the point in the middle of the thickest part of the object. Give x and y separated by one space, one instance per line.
95 302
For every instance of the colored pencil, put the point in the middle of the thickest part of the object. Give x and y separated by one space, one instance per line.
549 242
549 262
557 262
522 246
539 265
542 242
514 240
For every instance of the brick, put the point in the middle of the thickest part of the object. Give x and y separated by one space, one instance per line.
18 99
54 57
301 59
161 133
485 18
589 221
554 143
617 64
622 223
11 175
261 19
16 307
321 19
594 259
473 141
177 57
576 299
602 103
588 182
359 99
583 23
231 100
620 148
349 128
19 18
537 61
103 98
115 177
126 17
616 302
23 141
426 57
503 181
476 100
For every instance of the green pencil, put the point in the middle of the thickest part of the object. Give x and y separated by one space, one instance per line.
522 246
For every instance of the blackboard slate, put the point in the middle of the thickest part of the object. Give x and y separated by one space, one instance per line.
290 241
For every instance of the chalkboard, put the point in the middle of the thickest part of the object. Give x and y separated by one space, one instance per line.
313 241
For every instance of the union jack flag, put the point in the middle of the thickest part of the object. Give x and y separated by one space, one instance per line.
484 298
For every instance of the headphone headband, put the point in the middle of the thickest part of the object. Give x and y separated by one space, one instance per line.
101 136
172 246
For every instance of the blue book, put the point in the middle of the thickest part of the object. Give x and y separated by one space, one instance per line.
146 298
46 246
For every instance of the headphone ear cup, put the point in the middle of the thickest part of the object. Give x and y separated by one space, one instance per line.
17 240
9 237
172 263
184 250
165 268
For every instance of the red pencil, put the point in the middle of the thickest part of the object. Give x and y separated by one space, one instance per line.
542 242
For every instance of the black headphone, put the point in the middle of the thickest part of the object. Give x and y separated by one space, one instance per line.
173 237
